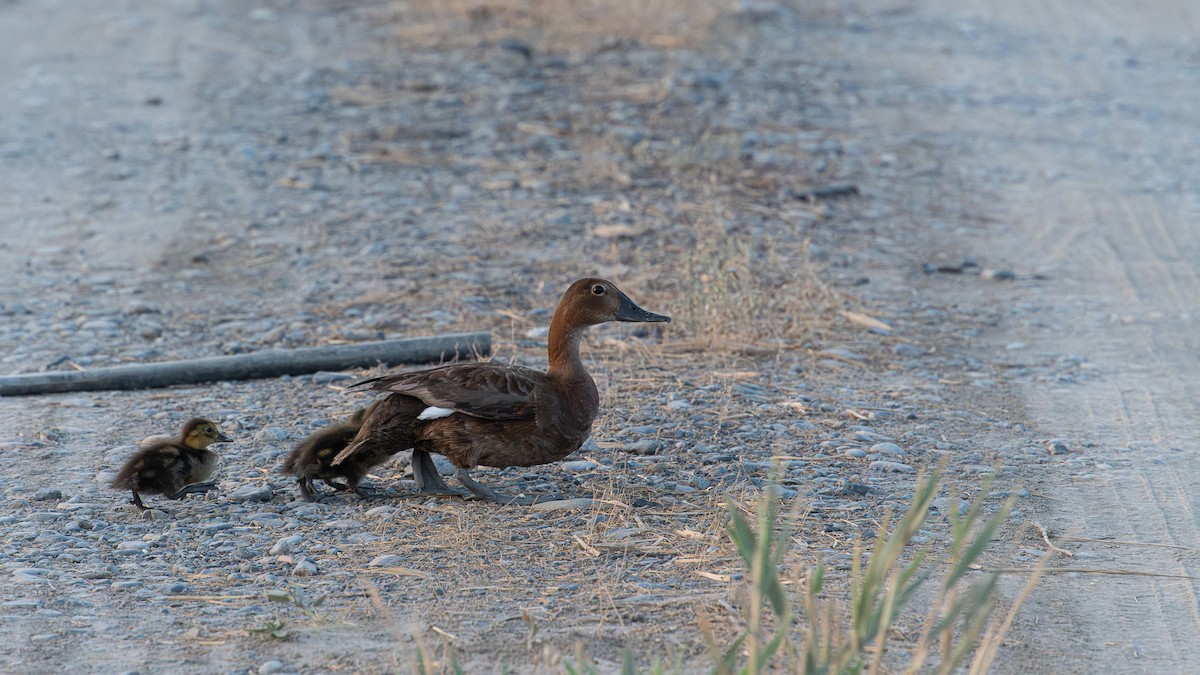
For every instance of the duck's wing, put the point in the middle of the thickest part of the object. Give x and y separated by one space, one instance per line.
489 391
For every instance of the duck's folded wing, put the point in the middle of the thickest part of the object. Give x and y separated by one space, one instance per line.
484 390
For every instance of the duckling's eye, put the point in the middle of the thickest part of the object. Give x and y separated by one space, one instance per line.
208 430
598 289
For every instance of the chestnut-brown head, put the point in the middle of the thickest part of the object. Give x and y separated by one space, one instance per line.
200 433
592 301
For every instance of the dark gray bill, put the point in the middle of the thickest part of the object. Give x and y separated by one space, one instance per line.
629 311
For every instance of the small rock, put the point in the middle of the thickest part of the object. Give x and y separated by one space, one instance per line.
386 560
444 466
251 493
905 349
855 452
305 568
942 505
887 448
286 544
892 467
269 667
645 446
47 494
678 404
563 504
272 434
997 275
1057 447
578 465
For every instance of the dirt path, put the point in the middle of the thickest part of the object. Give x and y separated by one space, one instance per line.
199 178
1072 126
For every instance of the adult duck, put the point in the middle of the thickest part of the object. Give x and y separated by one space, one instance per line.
491 414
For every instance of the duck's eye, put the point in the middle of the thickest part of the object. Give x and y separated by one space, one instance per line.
598 289
208 430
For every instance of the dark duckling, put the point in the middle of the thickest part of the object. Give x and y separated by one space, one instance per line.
497 415
173 468
312 459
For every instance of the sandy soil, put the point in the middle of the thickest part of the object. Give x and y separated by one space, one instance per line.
197 178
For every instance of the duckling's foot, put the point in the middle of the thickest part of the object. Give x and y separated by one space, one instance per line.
464 477
195 488
307 491
426 475
137 501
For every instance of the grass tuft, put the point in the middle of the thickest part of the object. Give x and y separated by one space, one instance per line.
810 633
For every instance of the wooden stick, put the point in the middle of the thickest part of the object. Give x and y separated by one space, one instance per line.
267 363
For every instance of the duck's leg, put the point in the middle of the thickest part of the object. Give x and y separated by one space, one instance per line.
426 475
363 492
194 488
137 501
464 477
306 489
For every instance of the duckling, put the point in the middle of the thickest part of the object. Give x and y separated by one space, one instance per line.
173 467
312 457
493 414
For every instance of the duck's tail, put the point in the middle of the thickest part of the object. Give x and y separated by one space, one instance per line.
347 451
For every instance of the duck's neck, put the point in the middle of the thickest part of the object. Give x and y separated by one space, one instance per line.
563 342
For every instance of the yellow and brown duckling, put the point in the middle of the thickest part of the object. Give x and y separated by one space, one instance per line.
173 468
493 414
312 459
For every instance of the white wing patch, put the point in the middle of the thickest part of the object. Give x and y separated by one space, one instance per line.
433 412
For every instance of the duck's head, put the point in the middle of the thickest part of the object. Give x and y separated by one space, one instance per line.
591 301
200 433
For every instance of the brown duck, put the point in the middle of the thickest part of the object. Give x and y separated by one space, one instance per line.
312 458
492 414
173 468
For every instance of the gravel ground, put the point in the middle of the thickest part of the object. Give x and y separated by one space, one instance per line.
195 179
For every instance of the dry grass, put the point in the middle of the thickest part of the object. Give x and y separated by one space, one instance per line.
559 24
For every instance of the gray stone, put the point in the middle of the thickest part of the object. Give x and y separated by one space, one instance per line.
305 568
892 467
563 504
578 465
286 545
47 494
855 452
887 448
272 434
251 493
385 560
269 667
645 446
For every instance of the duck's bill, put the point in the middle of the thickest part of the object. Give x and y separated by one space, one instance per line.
629 311
222 438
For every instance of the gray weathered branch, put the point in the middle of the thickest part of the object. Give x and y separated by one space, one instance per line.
267 363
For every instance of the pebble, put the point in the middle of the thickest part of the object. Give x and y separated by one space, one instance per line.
305 567
887 448
645 446
286 545
890 467
269 667
855 452
563 504
1057 447
386 560
47 494
942 505
578 465
272 434
251 493
998 275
